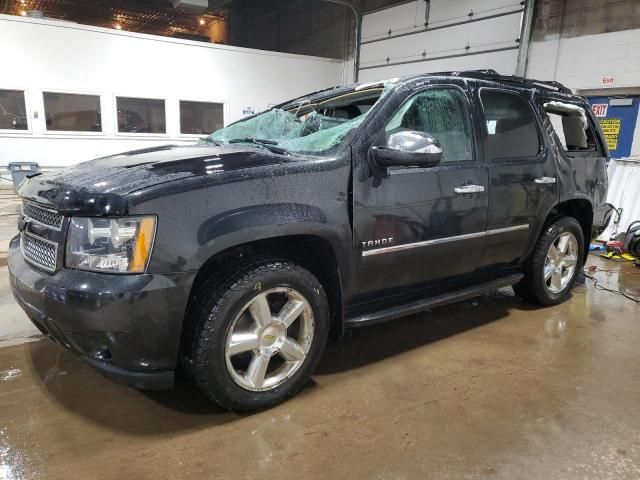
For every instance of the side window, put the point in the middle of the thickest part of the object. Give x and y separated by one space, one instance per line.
72 112
571 125
511 126
13 111
442 113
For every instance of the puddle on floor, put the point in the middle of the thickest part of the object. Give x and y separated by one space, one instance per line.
10 374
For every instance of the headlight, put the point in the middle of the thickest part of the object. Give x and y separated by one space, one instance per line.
117 245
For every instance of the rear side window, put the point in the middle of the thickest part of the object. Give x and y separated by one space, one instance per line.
571 125
511 126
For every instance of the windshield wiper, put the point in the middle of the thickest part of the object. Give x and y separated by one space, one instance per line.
268 144
261 141
209 140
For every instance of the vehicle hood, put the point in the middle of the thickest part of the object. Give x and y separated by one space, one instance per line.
99 186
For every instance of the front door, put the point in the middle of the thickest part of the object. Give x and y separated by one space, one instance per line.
420 224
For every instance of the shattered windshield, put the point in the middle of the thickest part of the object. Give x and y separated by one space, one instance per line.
305 126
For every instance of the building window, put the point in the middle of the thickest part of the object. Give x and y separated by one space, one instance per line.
511 126
200 117
141 115
13 110
70 112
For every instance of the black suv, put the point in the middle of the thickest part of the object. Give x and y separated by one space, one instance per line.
235 258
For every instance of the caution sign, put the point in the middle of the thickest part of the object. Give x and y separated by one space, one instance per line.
611 130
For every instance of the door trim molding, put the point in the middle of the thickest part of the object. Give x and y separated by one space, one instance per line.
438 241
497 231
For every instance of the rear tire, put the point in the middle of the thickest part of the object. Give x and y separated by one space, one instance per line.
258 334
551 269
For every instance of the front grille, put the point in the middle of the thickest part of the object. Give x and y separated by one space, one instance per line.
42 215
42 253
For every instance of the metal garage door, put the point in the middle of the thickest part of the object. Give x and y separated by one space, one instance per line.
440 35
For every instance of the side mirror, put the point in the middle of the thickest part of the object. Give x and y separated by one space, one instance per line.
410 149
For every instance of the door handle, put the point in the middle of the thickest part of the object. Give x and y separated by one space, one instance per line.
545 180
465 189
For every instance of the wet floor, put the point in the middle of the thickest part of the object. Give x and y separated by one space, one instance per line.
489 388
9 209
15 327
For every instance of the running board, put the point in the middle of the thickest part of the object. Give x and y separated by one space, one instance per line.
432 302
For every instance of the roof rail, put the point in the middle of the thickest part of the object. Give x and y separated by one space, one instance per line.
490 74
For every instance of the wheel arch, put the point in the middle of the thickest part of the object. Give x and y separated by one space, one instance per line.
312 252
579 208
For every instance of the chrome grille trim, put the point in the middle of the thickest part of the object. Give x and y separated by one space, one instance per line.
38 251
41 215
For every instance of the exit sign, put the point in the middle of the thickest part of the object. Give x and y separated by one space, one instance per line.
608 81
600 109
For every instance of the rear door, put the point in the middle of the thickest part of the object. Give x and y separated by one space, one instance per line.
414 225
522 174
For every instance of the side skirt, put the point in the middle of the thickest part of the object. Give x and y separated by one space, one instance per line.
432 302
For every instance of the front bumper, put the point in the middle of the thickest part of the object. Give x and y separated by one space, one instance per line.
126 326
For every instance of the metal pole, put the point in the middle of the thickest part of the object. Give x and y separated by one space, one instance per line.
427 10
358 18
525 38
560 32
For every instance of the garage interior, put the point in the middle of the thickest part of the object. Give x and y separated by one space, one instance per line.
491 387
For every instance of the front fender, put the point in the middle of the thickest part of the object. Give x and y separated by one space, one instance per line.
257 217
259 222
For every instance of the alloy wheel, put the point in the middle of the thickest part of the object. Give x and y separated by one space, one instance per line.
269 339
561 262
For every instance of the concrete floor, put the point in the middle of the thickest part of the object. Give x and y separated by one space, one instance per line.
9 209
491 388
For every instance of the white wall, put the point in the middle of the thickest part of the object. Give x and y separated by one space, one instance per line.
37 55
581 62
489 41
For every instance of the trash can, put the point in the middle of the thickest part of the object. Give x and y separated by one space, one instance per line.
19 170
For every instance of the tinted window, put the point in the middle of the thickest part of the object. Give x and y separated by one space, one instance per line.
72 113
13 112
200 117
141 115
511 126
443 114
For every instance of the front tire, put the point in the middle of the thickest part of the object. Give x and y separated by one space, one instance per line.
552 268
258 334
